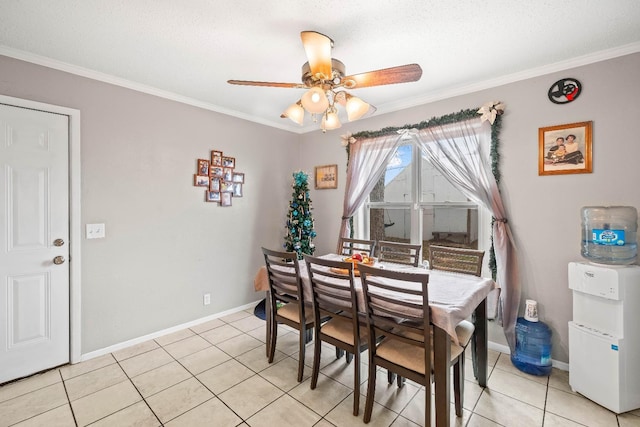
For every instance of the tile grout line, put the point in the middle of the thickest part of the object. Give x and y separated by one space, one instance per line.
66 392
139 393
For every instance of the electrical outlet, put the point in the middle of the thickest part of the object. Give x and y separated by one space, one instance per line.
206 299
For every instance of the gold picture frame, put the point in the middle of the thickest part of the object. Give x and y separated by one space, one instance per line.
565 149
326 177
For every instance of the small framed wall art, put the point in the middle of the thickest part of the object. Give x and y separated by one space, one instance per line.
326 177
565 149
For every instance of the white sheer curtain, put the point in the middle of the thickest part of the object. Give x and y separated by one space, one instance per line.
454 150
367 162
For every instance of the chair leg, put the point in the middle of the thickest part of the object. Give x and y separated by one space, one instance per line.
268 317
400 381
427 405
271 344
371 391
303 335
356 383
458 384
474 359
349 357
391 377
474 350
339 353
317 349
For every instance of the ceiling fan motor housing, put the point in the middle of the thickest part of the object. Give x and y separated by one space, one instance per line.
337 71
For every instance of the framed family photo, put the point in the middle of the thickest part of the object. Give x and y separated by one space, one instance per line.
203 167
225 199
216 158
213 196
214 184
217 172
228 162
238 177
565 149
237 189
326 177
201 180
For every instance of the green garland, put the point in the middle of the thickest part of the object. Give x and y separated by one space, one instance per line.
440 121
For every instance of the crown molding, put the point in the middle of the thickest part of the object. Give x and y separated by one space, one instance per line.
451 92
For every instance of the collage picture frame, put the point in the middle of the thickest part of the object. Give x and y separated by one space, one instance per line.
218 175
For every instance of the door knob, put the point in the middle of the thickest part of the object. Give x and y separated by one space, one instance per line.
58 242
58 260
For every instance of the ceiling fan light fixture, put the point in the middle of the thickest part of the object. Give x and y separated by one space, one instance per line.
295 112
330 121
356 107
315 101
326 82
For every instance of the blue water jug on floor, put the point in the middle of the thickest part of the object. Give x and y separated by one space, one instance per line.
533 347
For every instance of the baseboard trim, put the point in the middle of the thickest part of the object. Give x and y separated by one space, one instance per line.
563 366
134 341
112 348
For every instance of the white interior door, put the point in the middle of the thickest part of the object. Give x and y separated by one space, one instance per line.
34 241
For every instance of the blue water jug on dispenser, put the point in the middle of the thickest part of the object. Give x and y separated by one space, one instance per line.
610 234
533 343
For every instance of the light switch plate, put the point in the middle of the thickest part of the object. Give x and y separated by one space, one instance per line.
95 231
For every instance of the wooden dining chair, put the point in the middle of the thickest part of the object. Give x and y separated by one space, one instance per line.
465 261
457 260
286 301
399 253
334 298
349 247
397 308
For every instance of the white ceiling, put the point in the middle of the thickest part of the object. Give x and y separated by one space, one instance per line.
187 50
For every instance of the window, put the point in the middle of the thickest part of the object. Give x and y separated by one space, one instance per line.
413 202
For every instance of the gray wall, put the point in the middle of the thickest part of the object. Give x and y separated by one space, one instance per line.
165 247
544 211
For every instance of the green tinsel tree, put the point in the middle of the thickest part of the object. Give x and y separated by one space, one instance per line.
300 232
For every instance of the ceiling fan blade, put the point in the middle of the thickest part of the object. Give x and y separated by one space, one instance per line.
270 84
401 74
318 49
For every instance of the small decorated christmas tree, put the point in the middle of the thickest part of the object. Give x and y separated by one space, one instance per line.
300 232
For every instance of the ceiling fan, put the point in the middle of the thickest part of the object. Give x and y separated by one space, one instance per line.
325 79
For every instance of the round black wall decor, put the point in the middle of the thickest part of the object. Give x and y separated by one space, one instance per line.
564 91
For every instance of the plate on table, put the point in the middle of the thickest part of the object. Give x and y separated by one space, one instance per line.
356 262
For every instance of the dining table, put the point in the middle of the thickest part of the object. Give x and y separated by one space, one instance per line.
453 297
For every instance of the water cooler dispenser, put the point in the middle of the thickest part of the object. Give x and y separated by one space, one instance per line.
604 336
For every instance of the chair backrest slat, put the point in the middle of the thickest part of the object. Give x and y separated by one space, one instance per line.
401 317
333 293
457 260
283 272
399 253
349 247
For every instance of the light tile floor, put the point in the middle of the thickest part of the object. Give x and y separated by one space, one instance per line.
216 374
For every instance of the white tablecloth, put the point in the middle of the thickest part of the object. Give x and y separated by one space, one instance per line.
452 297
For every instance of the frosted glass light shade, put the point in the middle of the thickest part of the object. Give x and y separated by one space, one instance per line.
315 101
295 112
330 121
355 107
